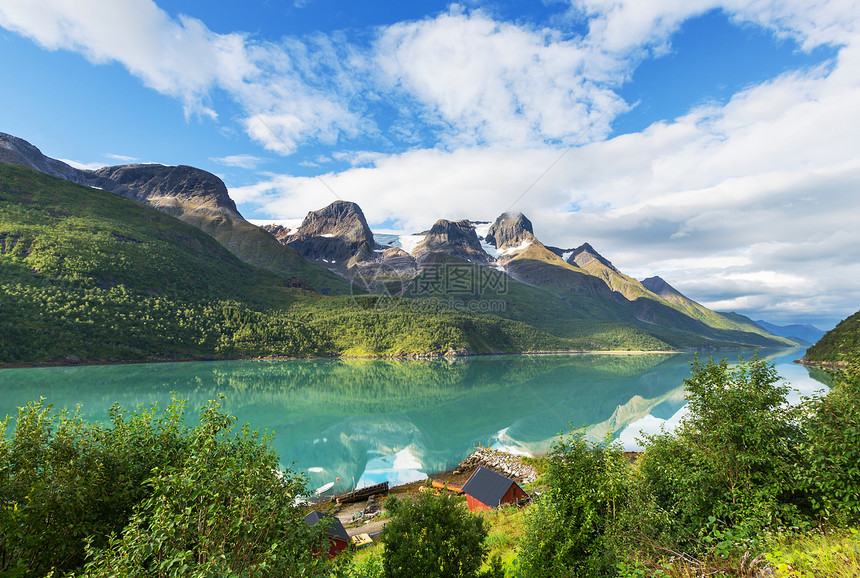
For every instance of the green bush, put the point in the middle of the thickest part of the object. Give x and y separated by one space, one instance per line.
569 531
731 467
434 537
62 480
147 496
832 448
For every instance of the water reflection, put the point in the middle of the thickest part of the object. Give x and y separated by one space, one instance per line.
364 421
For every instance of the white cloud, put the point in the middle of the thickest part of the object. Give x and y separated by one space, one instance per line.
359 158
631 26
182 58
486 82
83 166
122 158
243 161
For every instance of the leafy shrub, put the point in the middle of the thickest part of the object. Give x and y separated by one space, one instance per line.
832 448
147 496
569 530
434 536
731 466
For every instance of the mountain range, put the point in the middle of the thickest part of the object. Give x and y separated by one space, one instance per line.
487 285
803 334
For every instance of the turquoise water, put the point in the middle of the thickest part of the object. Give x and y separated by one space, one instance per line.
365 421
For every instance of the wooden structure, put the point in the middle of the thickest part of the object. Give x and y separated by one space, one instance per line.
337 534
363 493
487 490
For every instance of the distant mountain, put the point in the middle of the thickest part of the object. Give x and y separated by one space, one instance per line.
455 238
337 234
189 194
500 268
803 334
838 344
88 275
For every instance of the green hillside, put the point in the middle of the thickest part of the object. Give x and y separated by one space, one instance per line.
838 343
562 300
89 275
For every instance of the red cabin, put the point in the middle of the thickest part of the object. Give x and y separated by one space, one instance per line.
487 490
337 533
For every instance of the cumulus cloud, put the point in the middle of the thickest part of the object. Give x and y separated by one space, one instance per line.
82 165
182 58
499 83
122 158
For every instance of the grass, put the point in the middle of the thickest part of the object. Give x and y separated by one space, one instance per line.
505 528
834 555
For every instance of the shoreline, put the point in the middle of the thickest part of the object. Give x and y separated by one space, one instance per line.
415 356
821 364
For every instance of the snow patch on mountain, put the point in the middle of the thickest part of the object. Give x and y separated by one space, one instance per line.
409 242
522 247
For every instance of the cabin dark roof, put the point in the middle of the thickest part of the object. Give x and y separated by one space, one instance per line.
335 528
487 486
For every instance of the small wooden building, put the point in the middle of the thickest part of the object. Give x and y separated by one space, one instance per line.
487 490
337 533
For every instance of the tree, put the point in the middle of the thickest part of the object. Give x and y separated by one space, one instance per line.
225 510
569 530
832 447
733 460
433 536
148 496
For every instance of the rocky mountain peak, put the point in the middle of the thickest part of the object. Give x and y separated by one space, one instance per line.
279 232
173 189
659 286
17 151
343 219
509 230
337 235
186 192
584 254
456 238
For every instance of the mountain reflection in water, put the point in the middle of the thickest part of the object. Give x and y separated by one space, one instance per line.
369 420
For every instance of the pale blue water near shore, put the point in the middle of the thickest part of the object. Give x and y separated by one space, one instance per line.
368 420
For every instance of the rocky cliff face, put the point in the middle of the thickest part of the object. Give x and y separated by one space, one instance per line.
185 192
583 255
16 151
336 235
455 238
510 230
279 232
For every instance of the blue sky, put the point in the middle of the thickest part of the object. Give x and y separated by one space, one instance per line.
711 142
